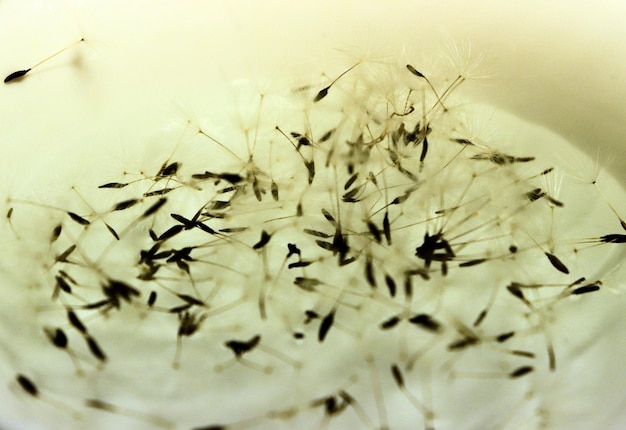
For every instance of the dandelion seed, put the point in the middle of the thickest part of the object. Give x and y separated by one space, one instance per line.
374 231
191 300
239 348
325 326
95 348
125 205
116 185
521 371
154 208
274 189
75 322
505 336
168 169
27 385
324 91
390 323
79 219
350 181
63 285
472 262
265 238
369 272
558 264
426 322
391 285
152 299
585 289
21 73
299 264
420 75
16 75
57 337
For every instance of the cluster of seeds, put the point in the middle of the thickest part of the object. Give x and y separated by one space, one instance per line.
368 246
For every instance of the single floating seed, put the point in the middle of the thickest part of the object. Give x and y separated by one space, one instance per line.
390 323
391 285
112 231
320 95
75 322
462 343
299 264
414 71
374 231
233 229
317 233
239 348
56 233
558 264
310 167
113 185
325 326
152 298
63 285
307 284
349 197
171 232
154 208
179 309
57 337
191 300
16 75
325 245
79 219
293 250
98 304
473 262
158 192
100 404
505 336
515 290
27 385
521 371
328 135
21 73
265 238
426 322
62 258
169 170
535 194
479 319
324 91
585 289
95 348
387 228
369 272
310 316
350 181
397 375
